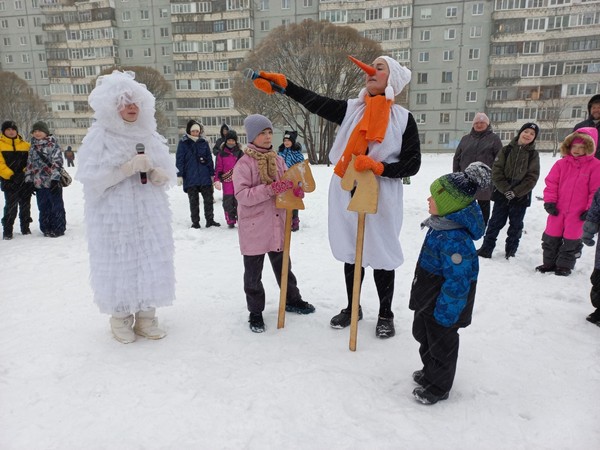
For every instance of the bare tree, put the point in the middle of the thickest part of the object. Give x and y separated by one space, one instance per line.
550 113
20 103
315 56
156 84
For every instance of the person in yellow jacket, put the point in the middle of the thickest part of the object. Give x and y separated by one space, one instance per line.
17 193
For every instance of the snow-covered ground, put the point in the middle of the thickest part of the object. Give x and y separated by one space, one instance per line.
528 371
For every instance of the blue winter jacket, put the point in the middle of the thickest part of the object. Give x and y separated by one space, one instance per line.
194 162
447 269
292 155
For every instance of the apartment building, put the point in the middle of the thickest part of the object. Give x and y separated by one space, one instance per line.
517 60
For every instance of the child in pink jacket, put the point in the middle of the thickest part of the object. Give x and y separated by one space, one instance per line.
570 188
256 182
227 156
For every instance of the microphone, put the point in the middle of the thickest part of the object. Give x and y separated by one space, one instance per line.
250 74
140 149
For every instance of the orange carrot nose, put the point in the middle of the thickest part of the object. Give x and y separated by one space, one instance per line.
365 67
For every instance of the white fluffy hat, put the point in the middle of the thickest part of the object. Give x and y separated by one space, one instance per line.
398 79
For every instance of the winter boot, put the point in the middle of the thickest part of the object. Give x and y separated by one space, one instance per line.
300 307
295 223
25 229
342 320
385 328
146 324
594 317
196 225
418 377
484 252
7 235
545 268
121 328
427 397
212 223
562 271
257 324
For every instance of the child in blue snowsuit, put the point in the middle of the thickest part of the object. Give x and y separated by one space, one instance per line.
443 288
291 152
590 228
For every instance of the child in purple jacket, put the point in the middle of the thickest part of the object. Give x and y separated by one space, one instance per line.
227 156
570 187
257 180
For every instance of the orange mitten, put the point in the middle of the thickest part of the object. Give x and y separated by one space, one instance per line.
363 162
263 84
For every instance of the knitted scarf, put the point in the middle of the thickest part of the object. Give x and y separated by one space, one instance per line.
267 166
372 127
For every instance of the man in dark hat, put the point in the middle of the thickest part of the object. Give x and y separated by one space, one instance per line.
514 174
593 119
70 156
17 194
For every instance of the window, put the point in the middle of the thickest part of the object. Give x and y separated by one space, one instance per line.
499 94
444 117
421 78
28 75
8 59
165 50
582 89
18 4
475 31
425 13
450 33
128 53
535 24
2 6
473 75
448 55
264 25
4 23
474 53
425 35
373 14
264 5
421 118
446 97
469 116
477 9
163 13
164 32
6 41
147 52
423 56
44 74
307 3
42 57
446 77
471 96
23 40
126 16
451 11
25 57
145 33
145 14
443 138
577 112
421 99
532 47
20 23
166 70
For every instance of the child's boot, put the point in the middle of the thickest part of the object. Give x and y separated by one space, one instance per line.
121 328
146 325
295 224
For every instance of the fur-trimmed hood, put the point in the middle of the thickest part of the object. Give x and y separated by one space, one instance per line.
588 134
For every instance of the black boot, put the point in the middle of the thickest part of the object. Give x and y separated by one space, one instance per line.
342 320
257 325
212 223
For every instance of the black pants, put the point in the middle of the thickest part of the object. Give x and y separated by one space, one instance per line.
230 208
439 352
70 163
17 199
384 282
505 211
207 197
253 287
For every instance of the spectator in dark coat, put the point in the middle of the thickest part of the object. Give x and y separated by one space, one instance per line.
482 145
221 140
593 119
196 172
590 228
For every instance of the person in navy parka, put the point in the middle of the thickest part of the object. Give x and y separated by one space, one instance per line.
443 288
195 171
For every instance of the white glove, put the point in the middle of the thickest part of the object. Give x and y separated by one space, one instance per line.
139 163
217 185
158 176
179 181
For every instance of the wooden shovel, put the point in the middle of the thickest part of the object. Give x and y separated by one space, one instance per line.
301 176
364 201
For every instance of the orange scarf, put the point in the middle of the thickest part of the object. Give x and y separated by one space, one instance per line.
371 127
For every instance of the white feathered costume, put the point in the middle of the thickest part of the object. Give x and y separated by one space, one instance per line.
130 240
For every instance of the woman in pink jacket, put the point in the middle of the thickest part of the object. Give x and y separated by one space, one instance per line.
256 181
570 188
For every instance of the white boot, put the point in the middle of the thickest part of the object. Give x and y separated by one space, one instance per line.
122 328
146 324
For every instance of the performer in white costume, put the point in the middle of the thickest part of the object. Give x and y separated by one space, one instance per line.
384 138
130 240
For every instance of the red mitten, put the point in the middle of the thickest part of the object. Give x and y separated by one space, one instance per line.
363 162
263 82
298 192
280 186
